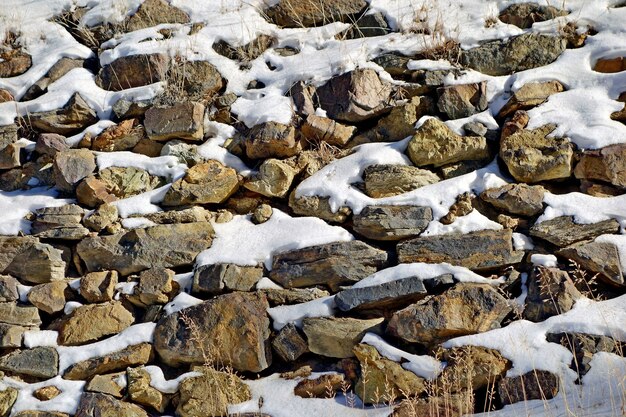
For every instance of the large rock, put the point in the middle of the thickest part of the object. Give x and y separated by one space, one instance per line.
607 164
238 320
550 292
26 258
200 79
504 57
480 250
355 96
271 140
435 144
336 336
524 15
315 206
600 258
310 13
155 12
134 355
124 182
332 264
102 405
92 192
71 166
133 71
209 182
530 95
522 199
273 180
392 222
92 322
49 297
63 222
215 278
179 121
462 100
473 367
12 313
132 251
14 62
73 117
534 385
387 295
563 231
58 70
389 180
39 362
532 157
464 309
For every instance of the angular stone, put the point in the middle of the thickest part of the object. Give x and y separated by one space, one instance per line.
600 258
179 121
155 286
389 180
607 164
550 292
480 250
324 386
12 313
7 399
209 182
369 25
71 166
133 355
213 279
10 156
271 140
392 222
293 295
112 384
312 13
524 15
462 100
36 413
93 192
332 264
133 71
49 297
534 385
400 122
14 62
27 259
127 252
315 206
522 199
435 144
200 79
391 294
473 367
11 336
92 322
123 182
355 96
530 95
58 70
148 147
100 218
155 12
75 115
102 405
46 393
140 391
120 137
239 320
289 344
463 309
336 336
187 153
98 287
304 98
323 129
8 289
563 231
50 144
63 222
39 362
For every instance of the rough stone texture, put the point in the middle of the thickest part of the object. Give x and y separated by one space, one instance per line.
40 362
475 250
133 355
462 100
179 121
98 287
14 62
155 286
610 65
289 344
563 231
12 313
354 96
311 13
213 279
385 379
463 309
447 404
46 393
289 296
271 140
132 251
50 143
332 264
7 399
239 320
120 137
93 192
389 180
200 79
35 413
522 199
534 385
392 222
515 54
71 166
262 213
155 12
133 71
607 164
550 292
435 144
102 405
523 15
304 98
29 260
92 322
73 117
400 122
392 294
49 297
210 394
324 386
140 391
473 367
107 384
530 95
315 206
336 336
598 257
63 222
11 336
584 347
323 129
8 288
123 182
209 182
58 70
10 156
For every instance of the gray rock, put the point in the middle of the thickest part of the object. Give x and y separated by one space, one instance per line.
369 25
133 71
179 121
214 279
388 295
534 385
11 335
389 180
519 199
392 222
336 337
550 292
39 362
563 231
271 140
63 222
292 295
12 313
125 109
101 405
71 166
524 15
289 344
462 100
73 117
51 143
27 259
8 289
598 257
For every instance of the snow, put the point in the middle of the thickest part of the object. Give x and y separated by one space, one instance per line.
158 381
180 302
283 315
137 223
162 166
15 205
585 208
548 261
65 402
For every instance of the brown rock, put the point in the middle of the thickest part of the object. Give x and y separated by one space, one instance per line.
209 182
155 12
8 288
7 399
107 384
462 100
133 71
121 137
323 129
534 385
93 192
271 140
524 15
73 117
101 405
530 95
400 122
473 367
273 180
336 336
607 164
140 391
563 231
5 96
550 292
610 65
12 313
179 121
71 166
100 218
155 286
293 295
11 336
94 321
133 355
49 297
213 279
324 386
389 180
317 207
600 258
289 344
46 393
24 257
98 287
310 13
519 199
14 63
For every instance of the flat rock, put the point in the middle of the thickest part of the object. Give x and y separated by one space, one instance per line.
13 313
335 337
26 258
36 413
111 384
7 399
75 115
530 95
287 296
382 296
598 257
39 362
563 231
133 71
392 222
102 405
134 355
209 182
323 129
11 335
71 166
607 164
50 143
274 178
271 140
315 206
179 121
389 180
332 264
462 100
534 385
92 322
522 199
63 222
312 13
216 278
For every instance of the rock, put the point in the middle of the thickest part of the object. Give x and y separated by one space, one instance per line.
289 344
600 258
610 65
331 264
93 192
8 397
63 222
11 336
522 199
324 386
462 100
473 367
34 413
12 313
336 337
355 96
58 70
200 79
209 182
369 25
524 15
112 384
73 117
92 322
607 164
49 297
216 278
463 206
392 222
584 347
271 140
531 156
102 405
133 355
534 385
148 147
563 231
435 144
463 309
40 362
46 393
480 250
155 286
127 252
519 53
400 122
14 63
530 95
312 13
120 137
550 292
293 295
179 121
140 391
315 206
10 156
446 404
6 96
25 258
124 182
50 144
210 394
100 218
133 71
186 215
8 289
239 320
389 180
262 213
71 166
185 152
304 98
323 129
155 12
382 296
125 109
